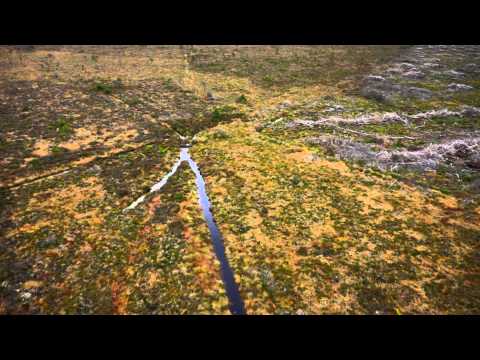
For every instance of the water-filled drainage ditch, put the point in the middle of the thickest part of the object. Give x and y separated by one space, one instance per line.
231 288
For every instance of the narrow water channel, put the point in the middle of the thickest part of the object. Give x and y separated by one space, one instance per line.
236 304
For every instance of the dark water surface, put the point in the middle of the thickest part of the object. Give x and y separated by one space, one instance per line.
236 304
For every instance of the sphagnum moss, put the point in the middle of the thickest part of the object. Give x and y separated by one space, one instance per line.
378 226
304 232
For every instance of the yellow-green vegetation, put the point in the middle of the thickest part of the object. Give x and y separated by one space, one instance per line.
312 235
86 130
72 250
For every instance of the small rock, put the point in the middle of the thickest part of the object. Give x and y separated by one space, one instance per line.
470 111
50 240
374 94
96 169
454 73
419 93
302 251
474 161
284 104
375 78
259 128
461 150
393 71
312 157
122 191
470 68
210 96
296 180
429 65
459 87
475 185
414 74
117 83
407 66
25 295
335 108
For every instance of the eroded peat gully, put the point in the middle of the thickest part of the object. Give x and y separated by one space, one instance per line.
236 304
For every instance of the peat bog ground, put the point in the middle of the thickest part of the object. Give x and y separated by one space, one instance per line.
338 179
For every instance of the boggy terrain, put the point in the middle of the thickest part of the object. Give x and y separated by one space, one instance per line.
343 179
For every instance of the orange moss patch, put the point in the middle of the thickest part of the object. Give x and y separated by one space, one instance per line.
68 199
119 298
319 230
414 234
392 221
41 148
203 257
32 284
448 202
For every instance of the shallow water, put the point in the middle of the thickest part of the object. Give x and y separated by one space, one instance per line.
236 304
157 186
235 300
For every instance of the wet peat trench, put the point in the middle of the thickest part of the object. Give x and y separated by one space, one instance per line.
235 301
